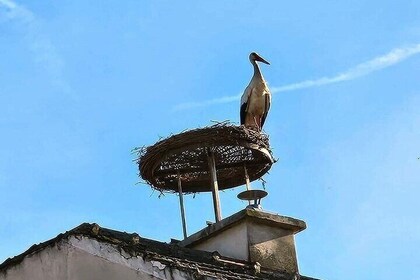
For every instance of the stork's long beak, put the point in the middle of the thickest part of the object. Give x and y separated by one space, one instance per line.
259 58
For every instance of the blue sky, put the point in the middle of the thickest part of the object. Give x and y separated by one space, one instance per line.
82 83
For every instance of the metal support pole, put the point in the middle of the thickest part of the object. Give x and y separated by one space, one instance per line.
214 186
248 184
181 205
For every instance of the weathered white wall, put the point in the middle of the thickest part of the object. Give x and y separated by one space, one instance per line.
232 242
82 258
51 261
271 246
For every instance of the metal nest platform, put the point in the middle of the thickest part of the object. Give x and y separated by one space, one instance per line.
188 158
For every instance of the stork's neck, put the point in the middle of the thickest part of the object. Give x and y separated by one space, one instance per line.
257 71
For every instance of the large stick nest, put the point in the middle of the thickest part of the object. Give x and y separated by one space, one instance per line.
187 155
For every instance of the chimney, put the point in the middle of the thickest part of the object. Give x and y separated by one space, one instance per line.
252 235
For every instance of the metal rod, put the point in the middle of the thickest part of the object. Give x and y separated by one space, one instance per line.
214 186
248 184
181 205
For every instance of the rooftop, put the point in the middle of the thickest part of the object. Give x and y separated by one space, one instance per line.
202 263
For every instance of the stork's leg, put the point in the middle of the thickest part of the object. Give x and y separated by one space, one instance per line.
258 122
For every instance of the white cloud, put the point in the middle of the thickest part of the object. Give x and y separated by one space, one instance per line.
44 51
225 99
8 4
395 56
16 12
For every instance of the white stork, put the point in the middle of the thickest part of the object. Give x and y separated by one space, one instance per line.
256 100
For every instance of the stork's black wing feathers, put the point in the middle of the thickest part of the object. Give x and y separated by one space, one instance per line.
267 107
243 112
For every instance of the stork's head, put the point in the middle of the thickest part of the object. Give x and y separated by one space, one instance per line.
256 57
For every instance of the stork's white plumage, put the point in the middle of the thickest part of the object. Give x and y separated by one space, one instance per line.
256 100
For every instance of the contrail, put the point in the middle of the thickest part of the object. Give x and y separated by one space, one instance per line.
393 57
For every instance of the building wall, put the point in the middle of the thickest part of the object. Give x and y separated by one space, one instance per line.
83 258
51 261
271 246
232 242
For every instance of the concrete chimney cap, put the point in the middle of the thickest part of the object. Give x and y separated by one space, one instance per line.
258 216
